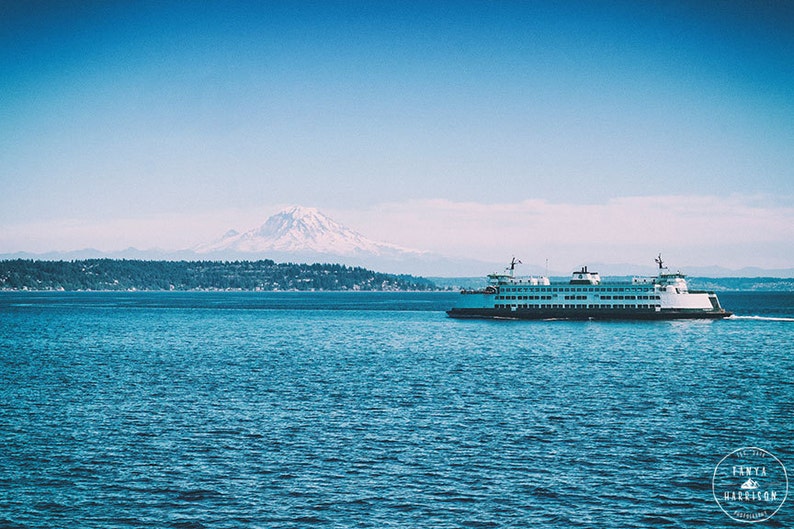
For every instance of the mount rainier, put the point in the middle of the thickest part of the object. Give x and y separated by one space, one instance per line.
297 234
305 233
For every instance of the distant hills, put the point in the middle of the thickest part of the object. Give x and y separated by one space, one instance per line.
692 271
266 275
718 284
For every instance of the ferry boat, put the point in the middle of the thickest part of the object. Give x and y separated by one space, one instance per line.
586 296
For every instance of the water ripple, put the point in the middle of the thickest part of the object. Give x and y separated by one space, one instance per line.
152 415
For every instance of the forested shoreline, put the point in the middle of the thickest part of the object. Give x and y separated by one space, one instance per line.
267 275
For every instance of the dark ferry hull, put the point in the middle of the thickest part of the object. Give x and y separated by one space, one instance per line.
586 314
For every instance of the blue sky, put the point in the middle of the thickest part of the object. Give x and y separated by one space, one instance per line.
164 124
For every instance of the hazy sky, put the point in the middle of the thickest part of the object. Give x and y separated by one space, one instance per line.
594 130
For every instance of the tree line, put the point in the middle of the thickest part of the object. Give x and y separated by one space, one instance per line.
128 274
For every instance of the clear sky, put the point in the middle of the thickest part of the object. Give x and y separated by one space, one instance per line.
603 131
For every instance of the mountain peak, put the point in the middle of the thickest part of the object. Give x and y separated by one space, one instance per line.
301 211
302 230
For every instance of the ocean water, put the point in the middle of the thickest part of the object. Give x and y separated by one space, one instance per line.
192 410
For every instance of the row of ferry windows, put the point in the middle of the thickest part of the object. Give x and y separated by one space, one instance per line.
578 297
571 306
576 289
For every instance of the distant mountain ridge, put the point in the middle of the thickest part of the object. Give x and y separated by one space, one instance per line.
295 234
304 234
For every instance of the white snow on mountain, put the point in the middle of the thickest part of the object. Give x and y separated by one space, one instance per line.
302 230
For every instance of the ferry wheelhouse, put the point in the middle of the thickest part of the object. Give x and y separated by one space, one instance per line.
586 296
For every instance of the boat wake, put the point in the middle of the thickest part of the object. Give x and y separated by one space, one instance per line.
759 318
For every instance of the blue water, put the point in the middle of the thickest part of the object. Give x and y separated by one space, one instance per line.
191 410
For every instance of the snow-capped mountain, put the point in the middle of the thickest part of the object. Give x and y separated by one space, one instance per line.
301 235
302 231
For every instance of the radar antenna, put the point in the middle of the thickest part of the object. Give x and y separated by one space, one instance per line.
513 264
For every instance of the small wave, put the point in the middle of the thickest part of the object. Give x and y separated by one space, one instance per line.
759 318
197 495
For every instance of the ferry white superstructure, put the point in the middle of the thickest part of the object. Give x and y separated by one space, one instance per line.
586 296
